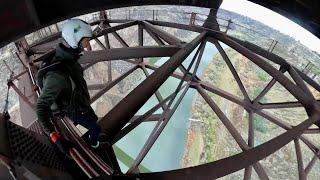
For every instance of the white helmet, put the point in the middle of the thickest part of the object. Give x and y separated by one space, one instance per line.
74 30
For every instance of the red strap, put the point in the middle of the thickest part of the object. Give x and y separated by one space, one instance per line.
54 137
35 88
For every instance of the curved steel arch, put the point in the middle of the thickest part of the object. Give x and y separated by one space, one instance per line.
19 18
121 114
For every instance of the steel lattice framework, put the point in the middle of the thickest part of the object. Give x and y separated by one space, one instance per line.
113 123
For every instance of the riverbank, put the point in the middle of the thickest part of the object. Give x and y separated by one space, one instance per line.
207 138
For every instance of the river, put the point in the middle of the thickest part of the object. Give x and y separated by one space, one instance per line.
167 152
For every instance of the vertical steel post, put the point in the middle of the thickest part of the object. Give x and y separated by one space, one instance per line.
192 19
57 27
302 175
103 18
140 37
228 26
248 170
153 15
26 104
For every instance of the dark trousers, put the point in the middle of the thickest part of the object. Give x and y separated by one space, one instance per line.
87 119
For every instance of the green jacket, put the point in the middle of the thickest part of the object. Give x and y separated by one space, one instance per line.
58 88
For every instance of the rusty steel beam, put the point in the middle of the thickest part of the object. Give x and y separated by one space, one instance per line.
202 47
226 122
39 58
302 175
257 107
281 105
228 96
157 93
312 131
232 130
267 88
164 119
99 43
226 166
25 86
162 34
247 173
140 38
112 29
141 118
93 23
127 53
276 59
18 75
296 91
251 130
148 66
140 34
106 39
198 29
233 70
109 71
21 61
311 164
155 37
153 117
160 42
47 39
96 86
88 65
21 95
121 41
45 47
299 81
287 126
118 37
50 43
113 122
175 74
256 49
118 20
307 79
111 84
249 106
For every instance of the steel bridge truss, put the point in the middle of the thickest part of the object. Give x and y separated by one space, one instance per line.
114 122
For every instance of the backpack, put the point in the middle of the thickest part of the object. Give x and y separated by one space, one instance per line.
49 64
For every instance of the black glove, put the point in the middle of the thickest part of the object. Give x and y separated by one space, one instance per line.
61 143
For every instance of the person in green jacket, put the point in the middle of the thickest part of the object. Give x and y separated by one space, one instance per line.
63 88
